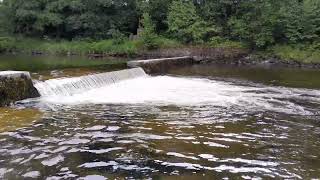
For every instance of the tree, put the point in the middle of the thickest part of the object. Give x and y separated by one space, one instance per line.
311 20
185 24
218 12
148 35
291 21
72 19
260 23
255 22
158 10
4 21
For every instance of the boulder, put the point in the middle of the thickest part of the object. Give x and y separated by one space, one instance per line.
16 86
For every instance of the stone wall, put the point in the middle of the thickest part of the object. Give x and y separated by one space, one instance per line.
161 66
200 53
16 86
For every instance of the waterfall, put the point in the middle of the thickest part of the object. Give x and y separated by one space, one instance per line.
71 86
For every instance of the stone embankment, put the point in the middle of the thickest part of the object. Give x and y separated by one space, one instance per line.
205 54
16 86
160 66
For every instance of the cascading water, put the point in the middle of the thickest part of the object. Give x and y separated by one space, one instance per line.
135 87
71 86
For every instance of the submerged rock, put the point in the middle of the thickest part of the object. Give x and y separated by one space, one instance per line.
16 86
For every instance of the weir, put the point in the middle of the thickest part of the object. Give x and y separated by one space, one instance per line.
161 66
71 86
16 86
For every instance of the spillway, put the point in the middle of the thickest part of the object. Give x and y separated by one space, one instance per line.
71 86
136 87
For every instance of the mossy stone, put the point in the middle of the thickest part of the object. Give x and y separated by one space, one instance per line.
16 88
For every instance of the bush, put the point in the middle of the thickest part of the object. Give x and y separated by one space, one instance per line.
110 47
220 42
305 53
186 25
148 36
117 36
163 42
6 44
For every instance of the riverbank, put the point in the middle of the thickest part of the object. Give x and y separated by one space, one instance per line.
225 52
298 56
91 48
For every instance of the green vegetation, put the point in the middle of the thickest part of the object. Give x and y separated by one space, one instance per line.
185 24
299 53
290 28
6 44
148 35
218 42
64 47
39 63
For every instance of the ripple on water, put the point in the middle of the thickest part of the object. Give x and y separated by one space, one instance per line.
141 141
53 161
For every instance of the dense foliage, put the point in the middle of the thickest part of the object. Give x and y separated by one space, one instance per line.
71 19
259 23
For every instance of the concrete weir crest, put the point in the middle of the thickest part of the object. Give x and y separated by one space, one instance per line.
160 66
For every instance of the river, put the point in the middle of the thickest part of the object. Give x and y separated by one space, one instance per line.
197 122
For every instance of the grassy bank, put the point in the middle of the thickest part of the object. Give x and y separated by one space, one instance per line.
113 47
63 47
302 53
37 63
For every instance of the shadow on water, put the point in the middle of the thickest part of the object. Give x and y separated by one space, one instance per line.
12 119
289 77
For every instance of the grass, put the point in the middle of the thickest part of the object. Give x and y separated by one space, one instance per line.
109 47
63 47
36 63
6 44
75 47
219 42
304 53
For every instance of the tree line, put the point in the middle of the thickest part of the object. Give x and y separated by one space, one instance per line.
258 23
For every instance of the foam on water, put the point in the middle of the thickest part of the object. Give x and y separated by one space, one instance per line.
70 86
167 90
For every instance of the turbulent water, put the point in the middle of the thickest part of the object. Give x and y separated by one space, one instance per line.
166 127
70 86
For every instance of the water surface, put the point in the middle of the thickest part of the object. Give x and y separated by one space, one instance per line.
42 63
201 122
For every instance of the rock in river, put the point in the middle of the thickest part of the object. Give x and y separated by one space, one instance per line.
16 86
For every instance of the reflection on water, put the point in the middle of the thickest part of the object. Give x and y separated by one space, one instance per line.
12 119
168 128
290 77
41 63
150 141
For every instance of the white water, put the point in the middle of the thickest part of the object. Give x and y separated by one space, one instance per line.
166 90
71 86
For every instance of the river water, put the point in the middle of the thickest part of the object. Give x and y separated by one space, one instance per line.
198 122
